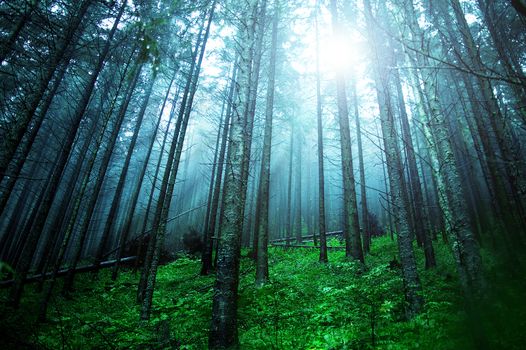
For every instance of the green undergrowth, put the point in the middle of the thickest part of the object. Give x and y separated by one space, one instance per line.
307 305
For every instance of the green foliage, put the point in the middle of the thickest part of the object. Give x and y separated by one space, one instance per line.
307 305
5 270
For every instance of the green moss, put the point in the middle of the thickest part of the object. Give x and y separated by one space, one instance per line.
307 305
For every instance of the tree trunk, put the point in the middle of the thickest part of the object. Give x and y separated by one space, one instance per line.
297 182
166 176
289 188
366 234
399 194
415 185
149 207
206 258
17 163
351 229
223 329
115 203
264 179
321 174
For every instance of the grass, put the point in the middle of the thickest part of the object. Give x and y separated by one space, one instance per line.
308 305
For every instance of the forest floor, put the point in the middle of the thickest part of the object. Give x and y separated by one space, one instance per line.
308 305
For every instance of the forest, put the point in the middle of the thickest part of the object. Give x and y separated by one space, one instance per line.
262 174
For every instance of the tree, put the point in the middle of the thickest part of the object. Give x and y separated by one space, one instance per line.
321 175
264 178
351 228
398 186
223 330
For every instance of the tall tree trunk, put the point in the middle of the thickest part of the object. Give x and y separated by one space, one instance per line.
256 33
414 180
61 219
206 258
514 165
70 228
152 243
149 207
351 228
215 165
17 163
297 182
289 188
366 234
461 236
504 49
399 194
321 174
498 184
223 329
264 179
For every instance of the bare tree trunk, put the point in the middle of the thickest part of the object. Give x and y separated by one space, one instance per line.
351 228
264 179
399 194
69 231
154 186
514 165
289 188
223 329
505 49
206 258
297 182
152 243
60 219
363 192
115 203
414 181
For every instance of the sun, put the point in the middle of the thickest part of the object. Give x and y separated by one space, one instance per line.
341 52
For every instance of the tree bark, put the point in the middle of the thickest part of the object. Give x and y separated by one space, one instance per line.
366 234
264 179
223 329
351 229
321 174
400 200
206 258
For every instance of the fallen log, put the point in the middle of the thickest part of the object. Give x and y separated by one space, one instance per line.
307 237
63 272
304 246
